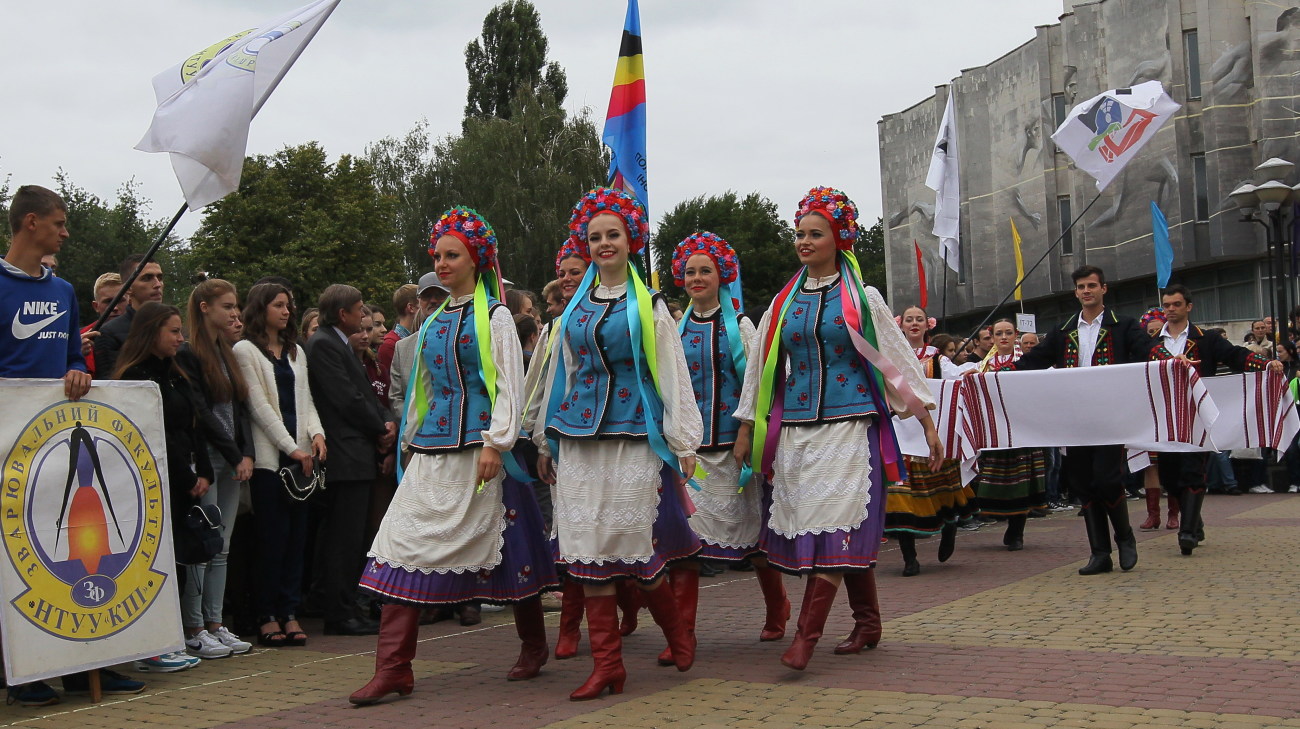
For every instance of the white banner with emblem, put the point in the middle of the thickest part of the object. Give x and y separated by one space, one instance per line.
89 577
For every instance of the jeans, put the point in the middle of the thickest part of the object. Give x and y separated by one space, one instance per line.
1219 475
204 595
1053 456
281 544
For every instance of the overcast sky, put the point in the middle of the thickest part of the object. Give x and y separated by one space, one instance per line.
773 96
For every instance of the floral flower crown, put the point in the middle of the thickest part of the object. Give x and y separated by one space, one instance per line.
471 229
1155 313
609 200
839 211
569 250
711 245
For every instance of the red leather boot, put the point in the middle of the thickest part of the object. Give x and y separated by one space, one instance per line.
1153 511
629 602
566 645
663 608
778 604
531 627
399 627
606 650
861 587
817 599
1173 514
686 590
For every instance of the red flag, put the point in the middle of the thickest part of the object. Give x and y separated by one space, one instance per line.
920 274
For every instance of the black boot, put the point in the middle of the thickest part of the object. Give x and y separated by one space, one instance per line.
1125 539
1191 530
1098 539
1014 538
947 541
907 544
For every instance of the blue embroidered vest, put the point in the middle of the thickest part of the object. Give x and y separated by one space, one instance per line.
713 378
827 380
459 407
604 401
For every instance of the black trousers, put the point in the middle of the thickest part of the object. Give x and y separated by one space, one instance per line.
340 547
1095 473
1182 471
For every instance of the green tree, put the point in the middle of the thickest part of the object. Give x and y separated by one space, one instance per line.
870 251
762 239
522 173
510 54
405 174
298 216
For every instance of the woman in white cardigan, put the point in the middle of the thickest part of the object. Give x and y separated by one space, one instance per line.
286 432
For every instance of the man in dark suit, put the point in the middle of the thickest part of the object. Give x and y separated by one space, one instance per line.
1183 474
1092 338
356 428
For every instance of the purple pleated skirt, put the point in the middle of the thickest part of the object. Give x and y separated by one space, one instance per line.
672 540
843 550
527 566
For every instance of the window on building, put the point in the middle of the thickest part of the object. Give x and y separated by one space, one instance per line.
1202 185
1193 60
1064 213
1058 108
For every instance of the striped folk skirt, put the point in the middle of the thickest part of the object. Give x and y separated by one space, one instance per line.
927 501
1011 482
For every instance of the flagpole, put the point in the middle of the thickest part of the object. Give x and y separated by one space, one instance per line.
1041 258
148 257
943 310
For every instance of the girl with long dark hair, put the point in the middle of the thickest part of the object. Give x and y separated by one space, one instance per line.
287 433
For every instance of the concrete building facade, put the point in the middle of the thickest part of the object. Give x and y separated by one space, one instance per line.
1234 66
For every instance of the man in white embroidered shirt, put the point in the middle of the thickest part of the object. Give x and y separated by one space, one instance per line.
1095 336
1183 474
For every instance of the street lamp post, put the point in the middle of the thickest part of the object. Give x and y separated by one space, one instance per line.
1270 202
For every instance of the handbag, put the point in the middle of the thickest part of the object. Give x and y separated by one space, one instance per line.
299 485
198 536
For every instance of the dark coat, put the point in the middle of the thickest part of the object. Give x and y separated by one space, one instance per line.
109 342
1212 350
349 412
1121 341
232 450
186 446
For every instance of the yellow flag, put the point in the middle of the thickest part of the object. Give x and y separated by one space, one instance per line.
1020 261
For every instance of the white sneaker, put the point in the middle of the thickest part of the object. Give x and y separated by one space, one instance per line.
231 641
203 645
1260 489
1294 489
487 608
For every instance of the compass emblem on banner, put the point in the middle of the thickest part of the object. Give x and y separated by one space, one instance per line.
85 549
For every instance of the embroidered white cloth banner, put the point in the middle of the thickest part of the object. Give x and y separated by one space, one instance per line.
1256 410
1149 403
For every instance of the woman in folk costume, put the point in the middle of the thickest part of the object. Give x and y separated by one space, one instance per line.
621 429
1011 482
460 529
571 265
831 362
927 503
718 340
1152 323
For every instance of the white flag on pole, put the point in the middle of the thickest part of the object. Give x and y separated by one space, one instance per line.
945 180
205 103
1105 132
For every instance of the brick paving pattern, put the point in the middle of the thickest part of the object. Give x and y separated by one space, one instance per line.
990 639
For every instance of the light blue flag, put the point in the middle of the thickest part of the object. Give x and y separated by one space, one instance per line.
1164 249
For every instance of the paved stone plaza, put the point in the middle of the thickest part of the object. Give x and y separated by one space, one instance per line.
990 639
